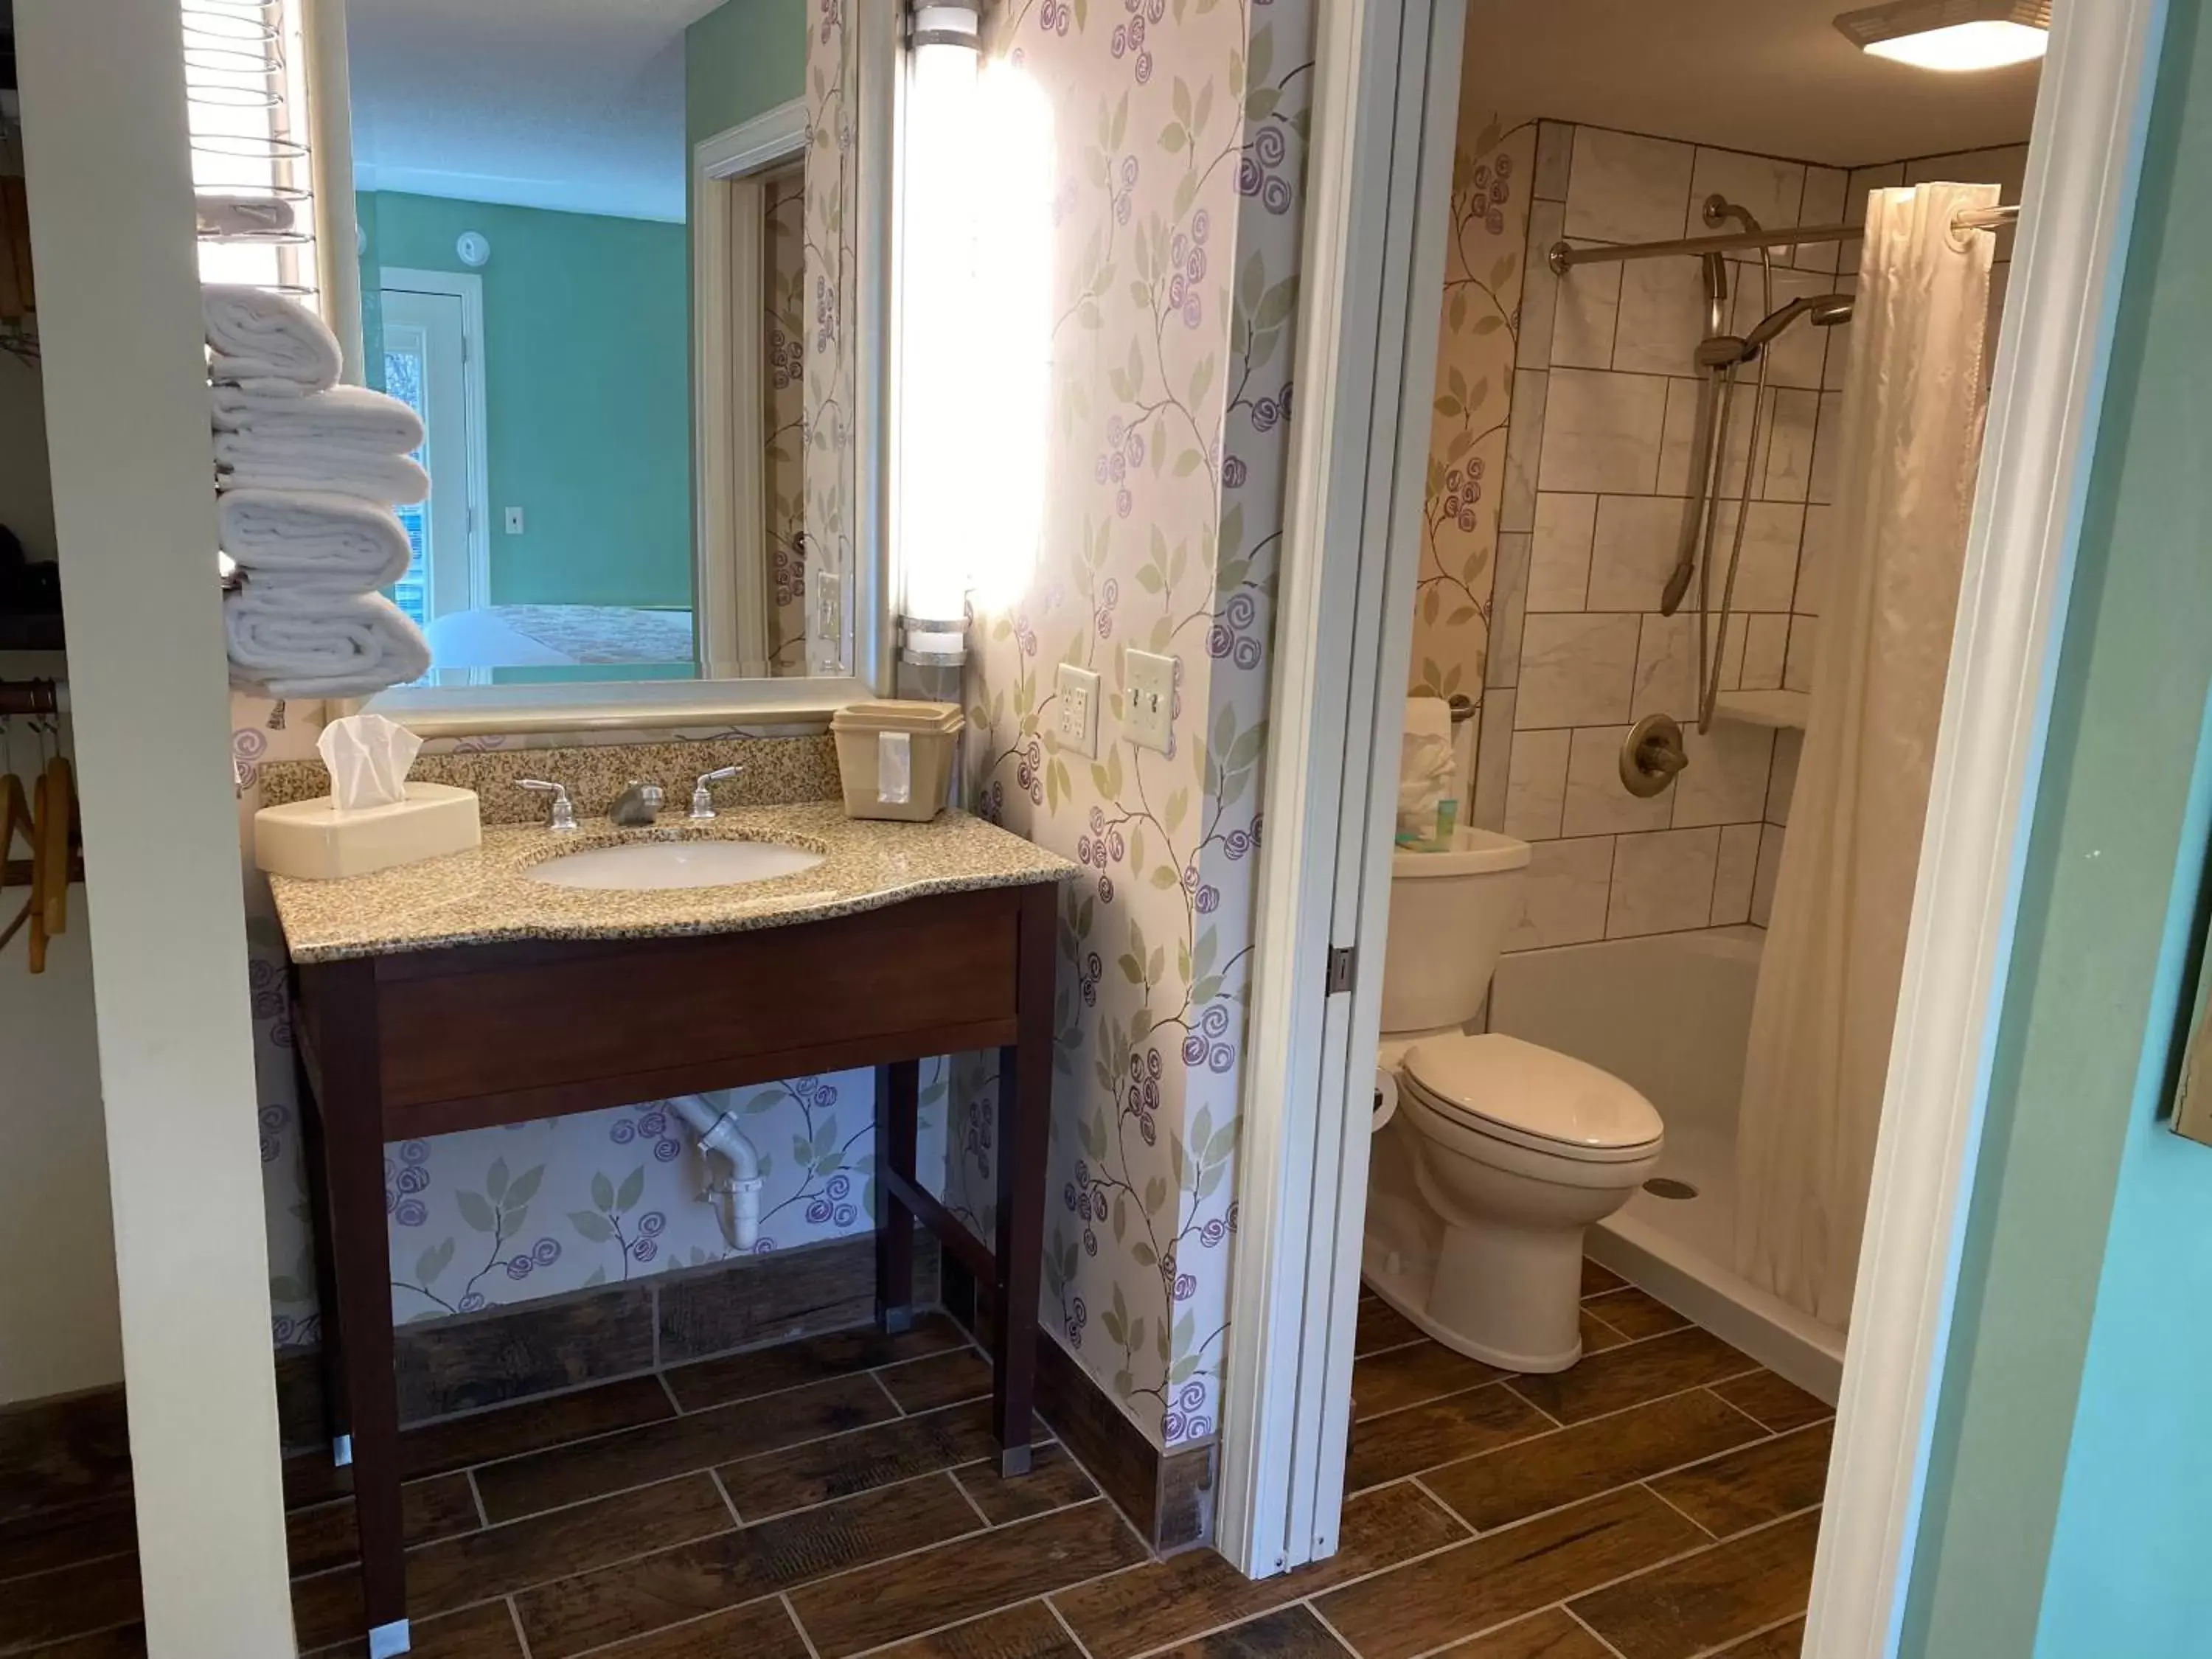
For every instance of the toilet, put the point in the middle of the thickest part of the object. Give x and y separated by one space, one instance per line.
1491 1156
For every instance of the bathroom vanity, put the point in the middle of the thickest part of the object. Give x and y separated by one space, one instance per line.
470 991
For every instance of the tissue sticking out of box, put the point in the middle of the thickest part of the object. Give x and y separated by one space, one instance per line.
368 757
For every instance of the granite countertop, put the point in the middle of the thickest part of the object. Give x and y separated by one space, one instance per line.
484 896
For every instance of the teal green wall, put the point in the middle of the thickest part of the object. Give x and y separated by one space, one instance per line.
2066 1441
586 389
741 60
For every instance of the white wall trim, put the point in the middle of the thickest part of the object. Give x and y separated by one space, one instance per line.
729 471
1386 94
2051 356
134 505
476 417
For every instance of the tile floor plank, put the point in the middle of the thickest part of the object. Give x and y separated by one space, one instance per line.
1026 1631
1291 1632
1407 1376
484 1437
45 1539
960 1580
814 1360
481 1632
1723 1592
1778 1404
1055 1481
678 1445
1166 1602
1621 1377
1787 1641
943 1379
1745 1489
127 1642
456 1571
842 1466
1505 1576
1381 1326
732 1568
1597 1335
1634 1313
1596 1280
1551 1634
762 1630
1497 1488
1385 1448
72 1601
323 1535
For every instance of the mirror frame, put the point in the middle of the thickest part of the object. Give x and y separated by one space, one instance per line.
873 597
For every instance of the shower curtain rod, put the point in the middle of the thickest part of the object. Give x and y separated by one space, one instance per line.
1564 256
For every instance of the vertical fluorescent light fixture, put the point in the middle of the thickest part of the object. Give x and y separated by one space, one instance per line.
1955 36
941 411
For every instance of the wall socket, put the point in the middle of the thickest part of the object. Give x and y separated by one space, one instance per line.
1075 708
1148 700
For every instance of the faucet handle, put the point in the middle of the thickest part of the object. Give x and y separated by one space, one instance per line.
703 799
564 815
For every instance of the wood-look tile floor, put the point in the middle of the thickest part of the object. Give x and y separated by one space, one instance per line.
834 1496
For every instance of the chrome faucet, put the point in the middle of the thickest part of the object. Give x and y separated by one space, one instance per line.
564 815
702 798
637 806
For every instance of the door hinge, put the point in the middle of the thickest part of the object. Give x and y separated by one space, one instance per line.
1341 960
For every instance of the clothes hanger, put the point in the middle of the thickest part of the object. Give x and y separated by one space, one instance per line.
37 951
54 842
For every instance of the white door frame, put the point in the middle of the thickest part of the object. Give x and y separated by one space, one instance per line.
730 471
468 288
1287 1402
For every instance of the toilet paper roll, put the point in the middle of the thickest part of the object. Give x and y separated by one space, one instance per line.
1386 1095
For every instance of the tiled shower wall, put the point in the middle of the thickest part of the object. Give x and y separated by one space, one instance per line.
1595 485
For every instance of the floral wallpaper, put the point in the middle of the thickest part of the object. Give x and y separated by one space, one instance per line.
499 1216
831 260
1181 134
783 471
1492 172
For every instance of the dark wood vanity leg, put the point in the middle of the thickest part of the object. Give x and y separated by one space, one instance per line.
347 1052
898 1109
1024 1119
335 1420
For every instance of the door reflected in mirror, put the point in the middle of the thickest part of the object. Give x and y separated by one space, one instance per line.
609 251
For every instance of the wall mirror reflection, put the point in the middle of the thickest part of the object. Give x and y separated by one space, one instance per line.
617 255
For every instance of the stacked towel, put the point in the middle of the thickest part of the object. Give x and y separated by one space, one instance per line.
307 472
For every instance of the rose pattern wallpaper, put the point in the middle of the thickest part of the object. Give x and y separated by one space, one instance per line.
1180 138
783 468
1492 170
831 263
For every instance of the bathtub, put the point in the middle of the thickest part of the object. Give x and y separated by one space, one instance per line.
1670 1014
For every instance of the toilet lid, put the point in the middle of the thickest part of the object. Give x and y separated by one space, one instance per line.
1501 1081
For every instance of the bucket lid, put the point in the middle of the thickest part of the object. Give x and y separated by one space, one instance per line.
898 714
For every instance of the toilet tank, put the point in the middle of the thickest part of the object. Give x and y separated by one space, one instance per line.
1450 912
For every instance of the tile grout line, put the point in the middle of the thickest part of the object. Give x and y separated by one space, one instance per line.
1061 1619
730 1502
476 1495
790 1612
1321 1619
1748 1636
1646 1485
1586 1625
669 1388
884 1389
894 1642
515 1618
962 1488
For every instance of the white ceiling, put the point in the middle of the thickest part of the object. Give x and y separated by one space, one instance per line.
1768 75
575 105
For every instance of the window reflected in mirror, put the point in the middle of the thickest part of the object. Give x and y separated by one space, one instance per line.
606 254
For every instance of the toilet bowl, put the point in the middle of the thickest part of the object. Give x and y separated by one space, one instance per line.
1499 1153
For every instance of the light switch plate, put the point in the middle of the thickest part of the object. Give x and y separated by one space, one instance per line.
1075 707
1148 700
514 521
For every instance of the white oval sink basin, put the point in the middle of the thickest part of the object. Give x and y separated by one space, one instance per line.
644 866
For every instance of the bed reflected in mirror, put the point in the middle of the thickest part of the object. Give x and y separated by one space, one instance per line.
607 251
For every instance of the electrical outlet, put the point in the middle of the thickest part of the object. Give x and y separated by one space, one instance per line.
514 521
1148 700
1076 704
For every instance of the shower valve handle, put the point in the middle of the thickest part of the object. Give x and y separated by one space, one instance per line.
1651 756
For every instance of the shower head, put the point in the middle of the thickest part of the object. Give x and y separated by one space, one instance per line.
1822 310
1827 310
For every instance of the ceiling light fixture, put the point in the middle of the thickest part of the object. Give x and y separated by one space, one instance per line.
1952 35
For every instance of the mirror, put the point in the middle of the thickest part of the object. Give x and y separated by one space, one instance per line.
624 257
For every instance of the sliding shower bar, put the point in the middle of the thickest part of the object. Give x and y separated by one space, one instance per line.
1564 256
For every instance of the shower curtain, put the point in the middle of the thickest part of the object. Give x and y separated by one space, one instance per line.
1819 1052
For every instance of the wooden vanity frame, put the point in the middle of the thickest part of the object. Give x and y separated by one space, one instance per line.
426 1042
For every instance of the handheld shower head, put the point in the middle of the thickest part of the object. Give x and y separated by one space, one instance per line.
1821 310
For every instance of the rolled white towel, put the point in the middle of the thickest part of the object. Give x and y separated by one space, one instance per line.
340 538
351 419
260 460
319 639
256 336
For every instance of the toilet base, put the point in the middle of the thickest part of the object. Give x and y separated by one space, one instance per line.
1404 1241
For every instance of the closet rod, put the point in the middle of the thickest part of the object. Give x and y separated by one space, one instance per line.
1565 256
33 697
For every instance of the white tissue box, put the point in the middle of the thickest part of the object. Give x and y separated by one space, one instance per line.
312 839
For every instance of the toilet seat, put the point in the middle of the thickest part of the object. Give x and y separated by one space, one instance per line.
1532 1097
